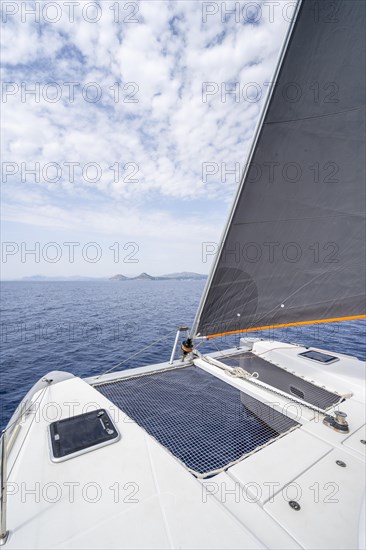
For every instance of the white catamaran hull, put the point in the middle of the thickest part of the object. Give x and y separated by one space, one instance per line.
261 446
301 489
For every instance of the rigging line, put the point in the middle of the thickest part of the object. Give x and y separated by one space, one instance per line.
136 354
200 344
31 424
18 419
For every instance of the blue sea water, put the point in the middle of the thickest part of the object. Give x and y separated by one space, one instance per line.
88 327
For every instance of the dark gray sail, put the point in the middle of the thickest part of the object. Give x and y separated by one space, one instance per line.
294 249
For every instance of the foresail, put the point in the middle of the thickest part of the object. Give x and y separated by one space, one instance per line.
294 249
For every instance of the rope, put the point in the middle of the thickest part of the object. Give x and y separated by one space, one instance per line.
41 396
18 419
342 396
136 354
238 372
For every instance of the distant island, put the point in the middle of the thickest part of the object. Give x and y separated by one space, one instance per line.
183 276
46 278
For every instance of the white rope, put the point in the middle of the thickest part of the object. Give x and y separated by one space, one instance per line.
270 388
238 372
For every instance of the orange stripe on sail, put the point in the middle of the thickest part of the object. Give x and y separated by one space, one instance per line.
334 320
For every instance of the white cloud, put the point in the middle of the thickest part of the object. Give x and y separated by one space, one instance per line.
168 134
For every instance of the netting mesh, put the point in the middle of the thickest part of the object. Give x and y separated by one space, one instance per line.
206 423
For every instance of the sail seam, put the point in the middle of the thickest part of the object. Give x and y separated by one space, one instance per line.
314 117
339 215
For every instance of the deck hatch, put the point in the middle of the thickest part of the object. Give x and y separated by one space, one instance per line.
283 380
206 423
80 434
319 357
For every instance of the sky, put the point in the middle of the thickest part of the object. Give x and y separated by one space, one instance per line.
125 127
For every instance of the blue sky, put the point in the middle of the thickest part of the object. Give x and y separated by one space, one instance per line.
126 91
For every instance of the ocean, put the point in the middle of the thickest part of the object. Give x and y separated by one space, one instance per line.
88 327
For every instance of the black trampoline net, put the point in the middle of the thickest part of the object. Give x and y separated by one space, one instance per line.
204 422
283 380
